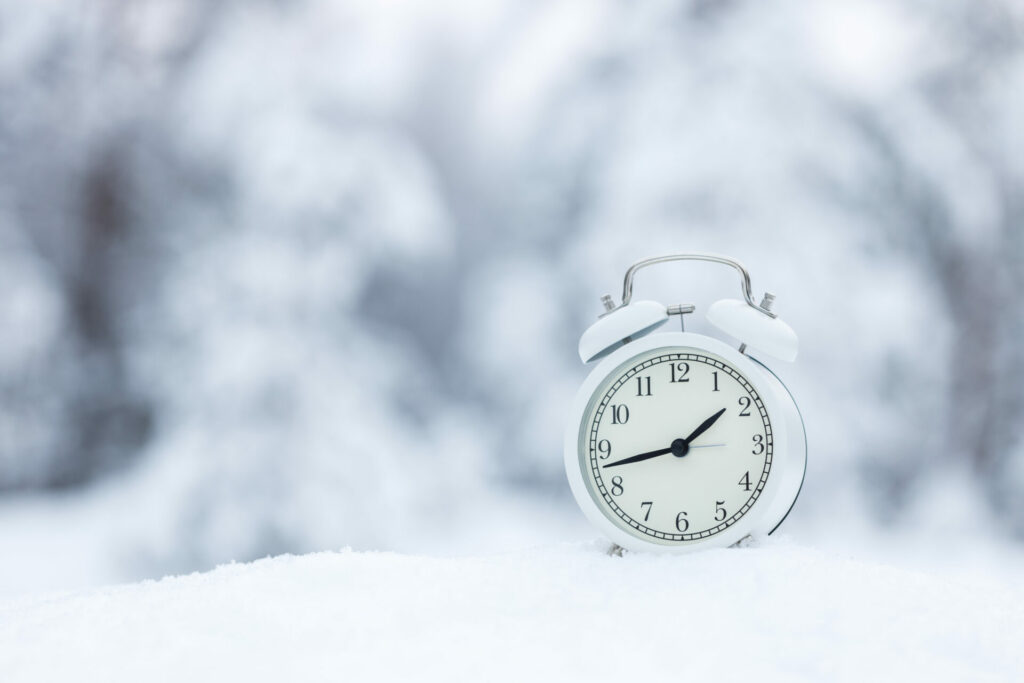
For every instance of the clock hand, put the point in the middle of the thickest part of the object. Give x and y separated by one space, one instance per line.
704 426
638 458
679 447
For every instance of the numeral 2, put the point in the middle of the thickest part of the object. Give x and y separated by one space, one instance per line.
744 406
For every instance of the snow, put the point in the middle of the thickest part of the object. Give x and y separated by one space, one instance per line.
773 611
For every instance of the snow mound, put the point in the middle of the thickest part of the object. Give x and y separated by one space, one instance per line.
773 611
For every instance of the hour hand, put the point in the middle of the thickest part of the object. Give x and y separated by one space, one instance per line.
638 458
704 426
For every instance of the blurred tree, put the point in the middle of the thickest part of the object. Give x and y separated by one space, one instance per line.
318 262
73 200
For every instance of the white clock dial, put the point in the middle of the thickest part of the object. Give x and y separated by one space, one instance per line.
676 445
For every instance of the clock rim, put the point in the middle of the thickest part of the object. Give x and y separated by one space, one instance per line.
750 523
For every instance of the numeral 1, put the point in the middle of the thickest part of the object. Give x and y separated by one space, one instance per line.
715 375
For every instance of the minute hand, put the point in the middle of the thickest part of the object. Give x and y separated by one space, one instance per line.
638 458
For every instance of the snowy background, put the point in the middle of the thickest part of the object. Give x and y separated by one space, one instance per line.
284 277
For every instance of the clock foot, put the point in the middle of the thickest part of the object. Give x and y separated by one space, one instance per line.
615 550
745 542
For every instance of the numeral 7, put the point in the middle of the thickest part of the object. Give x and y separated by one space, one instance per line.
647 505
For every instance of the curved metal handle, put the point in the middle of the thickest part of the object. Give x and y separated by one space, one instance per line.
627 285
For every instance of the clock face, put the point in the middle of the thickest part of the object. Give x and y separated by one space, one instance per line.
676 445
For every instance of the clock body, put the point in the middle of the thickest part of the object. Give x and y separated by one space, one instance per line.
678 441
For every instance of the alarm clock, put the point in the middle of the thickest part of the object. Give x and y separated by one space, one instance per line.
679 441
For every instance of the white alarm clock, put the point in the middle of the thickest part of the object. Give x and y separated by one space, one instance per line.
679 441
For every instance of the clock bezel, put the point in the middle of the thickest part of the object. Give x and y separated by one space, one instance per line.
673 342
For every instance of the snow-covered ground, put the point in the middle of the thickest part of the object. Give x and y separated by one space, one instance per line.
774 611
